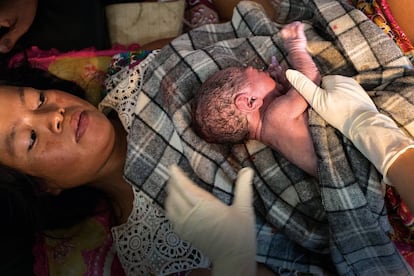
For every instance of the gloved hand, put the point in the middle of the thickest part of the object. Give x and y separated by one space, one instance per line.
344 104
17 16
226 234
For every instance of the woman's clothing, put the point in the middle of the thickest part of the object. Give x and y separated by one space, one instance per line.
146 244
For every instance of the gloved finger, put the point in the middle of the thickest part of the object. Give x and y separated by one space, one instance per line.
174 214
177 204
243 194
175 207
178 184
283 80
348 87
307 88
190 191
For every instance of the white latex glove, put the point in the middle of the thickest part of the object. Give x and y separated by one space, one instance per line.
226 234
344 104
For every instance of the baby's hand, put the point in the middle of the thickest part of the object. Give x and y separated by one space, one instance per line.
274 69
294 36
278 73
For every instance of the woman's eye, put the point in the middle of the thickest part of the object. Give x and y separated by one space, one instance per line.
41 99
32 139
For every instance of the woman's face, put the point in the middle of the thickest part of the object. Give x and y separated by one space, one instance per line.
53 135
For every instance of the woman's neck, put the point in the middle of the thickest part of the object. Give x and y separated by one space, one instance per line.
113 182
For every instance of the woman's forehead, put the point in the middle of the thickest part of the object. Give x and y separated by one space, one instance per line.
10 88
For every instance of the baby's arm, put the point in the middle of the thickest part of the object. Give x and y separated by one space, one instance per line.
295 43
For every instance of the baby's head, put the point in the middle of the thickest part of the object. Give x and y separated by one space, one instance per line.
214 114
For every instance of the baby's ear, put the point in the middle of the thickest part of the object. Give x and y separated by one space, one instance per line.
247 103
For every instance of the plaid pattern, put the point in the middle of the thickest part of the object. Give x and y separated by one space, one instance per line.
335 225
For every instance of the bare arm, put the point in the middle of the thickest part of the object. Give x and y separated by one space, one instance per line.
295 43
401 175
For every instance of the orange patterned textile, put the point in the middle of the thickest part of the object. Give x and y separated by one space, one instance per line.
380 13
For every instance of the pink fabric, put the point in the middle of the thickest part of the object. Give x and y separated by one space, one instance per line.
43 58
87 67
77 253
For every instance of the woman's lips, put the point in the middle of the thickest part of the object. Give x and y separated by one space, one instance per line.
82 125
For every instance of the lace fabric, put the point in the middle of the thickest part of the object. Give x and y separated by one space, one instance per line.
146 243
124 86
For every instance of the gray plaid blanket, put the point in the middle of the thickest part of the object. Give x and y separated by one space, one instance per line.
334 225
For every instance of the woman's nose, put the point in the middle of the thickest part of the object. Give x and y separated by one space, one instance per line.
51 118
57 120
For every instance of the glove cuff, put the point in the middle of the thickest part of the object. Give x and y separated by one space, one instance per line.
379 139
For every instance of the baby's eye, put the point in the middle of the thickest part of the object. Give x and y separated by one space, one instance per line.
32 139
41 99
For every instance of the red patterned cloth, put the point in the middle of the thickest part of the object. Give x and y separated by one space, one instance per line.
402 222
380 13
199 12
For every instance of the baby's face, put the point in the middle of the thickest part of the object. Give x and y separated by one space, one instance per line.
262 85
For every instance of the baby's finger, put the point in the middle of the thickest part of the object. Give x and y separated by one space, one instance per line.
274 61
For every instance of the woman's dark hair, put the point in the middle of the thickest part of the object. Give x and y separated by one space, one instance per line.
25 75
26 207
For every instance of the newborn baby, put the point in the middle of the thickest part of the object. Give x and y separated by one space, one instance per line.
237 103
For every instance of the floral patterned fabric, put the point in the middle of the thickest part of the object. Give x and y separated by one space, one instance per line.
87 68
380 13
